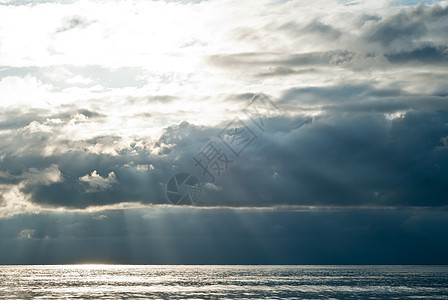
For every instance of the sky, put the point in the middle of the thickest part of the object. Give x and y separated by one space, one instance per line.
223 132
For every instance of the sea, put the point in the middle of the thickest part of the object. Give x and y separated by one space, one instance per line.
222 282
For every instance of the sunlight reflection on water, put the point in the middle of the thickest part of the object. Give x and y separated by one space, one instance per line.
223 282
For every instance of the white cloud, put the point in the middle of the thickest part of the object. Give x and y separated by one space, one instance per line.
14 198
35 126
211 186
96 183
25 91
48 176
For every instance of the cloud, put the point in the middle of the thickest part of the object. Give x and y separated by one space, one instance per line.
48 176
330 158
350 84
408 25
2 199
96 183
72 23
398 27
316 29
302 59
283 71
16 186
429 54
212 186
219 236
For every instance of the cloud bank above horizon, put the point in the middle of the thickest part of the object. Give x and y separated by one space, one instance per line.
102 102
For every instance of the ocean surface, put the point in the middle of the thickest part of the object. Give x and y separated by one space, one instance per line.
223 282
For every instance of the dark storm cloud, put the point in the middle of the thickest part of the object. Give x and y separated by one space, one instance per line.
188 236
8 178
335 94
407 26
131 185
21 118
134 185
390 150
429 54
140 175
361 98
398 27
363 156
